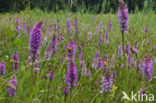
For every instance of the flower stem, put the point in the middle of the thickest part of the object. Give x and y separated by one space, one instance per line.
123 45
70 94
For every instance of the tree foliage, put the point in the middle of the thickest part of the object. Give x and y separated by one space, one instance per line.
93 6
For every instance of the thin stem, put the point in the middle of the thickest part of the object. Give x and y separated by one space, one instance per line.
123 45
70 94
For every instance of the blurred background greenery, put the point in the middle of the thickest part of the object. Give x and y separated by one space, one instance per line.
90 6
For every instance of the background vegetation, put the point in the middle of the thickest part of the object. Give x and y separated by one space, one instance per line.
91 6
87 91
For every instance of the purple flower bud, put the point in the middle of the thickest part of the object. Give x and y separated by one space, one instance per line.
122 65
51 75
106 38
120 51
146 29
68 27
114 74
134 50
128 61
17 25
148 42
80 52
76 31
99 63
15 62
106 57
75 23
72 50
97 54
109 25
85 71
54 25
26 29
61 37
128 49
94 63
2 68
89 35
100 25
123 16
65 91
100 40
13 82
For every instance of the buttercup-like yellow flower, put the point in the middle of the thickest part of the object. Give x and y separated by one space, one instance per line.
105 63
69 48
114 87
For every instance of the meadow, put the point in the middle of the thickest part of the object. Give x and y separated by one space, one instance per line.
98 57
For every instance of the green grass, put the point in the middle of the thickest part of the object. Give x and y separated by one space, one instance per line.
45 91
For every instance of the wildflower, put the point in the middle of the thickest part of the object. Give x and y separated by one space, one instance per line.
15 63
54 25
100 40
106 57
107 84
89 35
97 54
61 37
122 65
148 42
68 27
71 77
106 38
75 22
99 63
147 67
17 25
85 71
109 25
94 63
123 16
72 50
2 68
120 51
50 75
65 91
13 82
52 48
80 52
146 29
53 43
26 29
134 50
35 38
34 43
128 49
100 25
76 31
128 61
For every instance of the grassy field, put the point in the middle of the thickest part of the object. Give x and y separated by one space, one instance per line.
38 88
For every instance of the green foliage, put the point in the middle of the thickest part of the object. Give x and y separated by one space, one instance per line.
91 6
